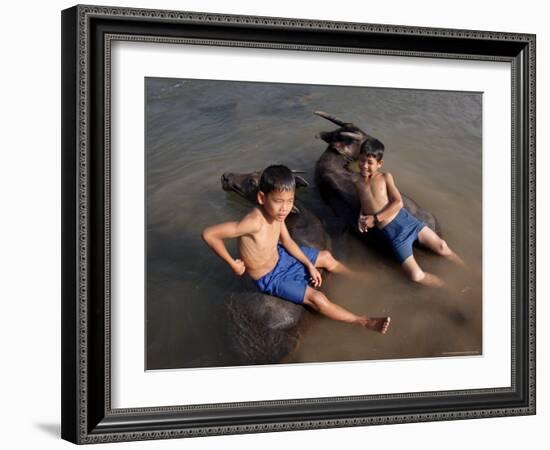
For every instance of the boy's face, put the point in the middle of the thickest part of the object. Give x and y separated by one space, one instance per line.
368 165
277 204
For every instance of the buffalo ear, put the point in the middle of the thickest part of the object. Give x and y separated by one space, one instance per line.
327 136
295 210
300 182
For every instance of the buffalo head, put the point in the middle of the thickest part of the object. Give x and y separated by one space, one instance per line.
247 184
346 140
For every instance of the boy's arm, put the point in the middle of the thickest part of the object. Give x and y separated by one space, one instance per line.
363 218
293 249
215 235
395 201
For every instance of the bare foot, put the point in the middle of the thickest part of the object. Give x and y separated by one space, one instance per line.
432 280
378 324
454 258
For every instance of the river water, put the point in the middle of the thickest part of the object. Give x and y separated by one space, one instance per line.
198 129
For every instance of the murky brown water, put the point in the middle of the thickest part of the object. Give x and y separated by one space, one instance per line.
196 130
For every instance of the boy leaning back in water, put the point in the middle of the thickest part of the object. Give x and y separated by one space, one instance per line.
382 206
273 260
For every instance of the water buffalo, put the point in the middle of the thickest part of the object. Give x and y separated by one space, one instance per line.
263 329
333 176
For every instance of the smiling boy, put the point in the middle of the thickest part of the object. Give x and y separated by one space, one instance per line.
274 261
382 206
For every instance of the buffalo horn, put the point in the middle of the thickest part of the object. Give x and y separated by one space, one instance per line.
333 119
357 136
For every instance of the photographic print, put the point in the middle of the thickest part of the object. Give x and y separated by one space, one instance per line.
365 245
297 212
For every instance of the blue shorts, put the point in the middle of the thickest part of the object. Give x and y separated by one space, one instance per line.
401 233
289 278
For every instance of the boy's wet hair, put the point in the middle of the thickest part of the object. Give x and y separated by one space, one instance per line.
277 178
372 147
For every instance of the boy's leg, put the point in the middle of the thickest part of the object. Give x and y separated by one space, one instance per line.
325 260
416 274
318 301
428 238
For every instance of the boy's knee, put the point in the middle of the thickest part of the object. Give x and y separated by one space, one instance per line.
313 298
327 259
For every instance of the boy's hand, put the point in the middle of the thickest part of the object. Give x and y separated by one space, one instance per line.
238 267
315 276
370 221
362 223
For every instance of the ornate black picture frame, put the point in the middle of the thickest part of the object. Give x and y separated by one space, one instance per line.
87 413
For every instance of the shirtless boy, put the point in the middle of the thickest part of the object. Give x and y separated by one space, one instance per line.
382 206
271 257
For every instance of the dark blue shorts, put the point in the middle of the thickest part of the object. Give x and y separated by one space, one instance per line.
289 279
401 233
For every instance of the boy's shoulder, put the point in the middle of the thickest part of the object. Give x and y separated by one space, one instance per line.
387 176
254 218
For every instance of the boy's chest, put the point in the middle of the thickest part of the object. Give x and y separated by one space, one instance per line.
269 235
374 188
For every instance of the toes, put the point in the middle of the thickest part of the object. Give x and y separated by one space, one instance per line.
379 324
386 325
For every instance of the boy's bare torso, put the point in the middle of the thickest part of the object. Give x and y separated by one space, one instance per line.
373 195
259 250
